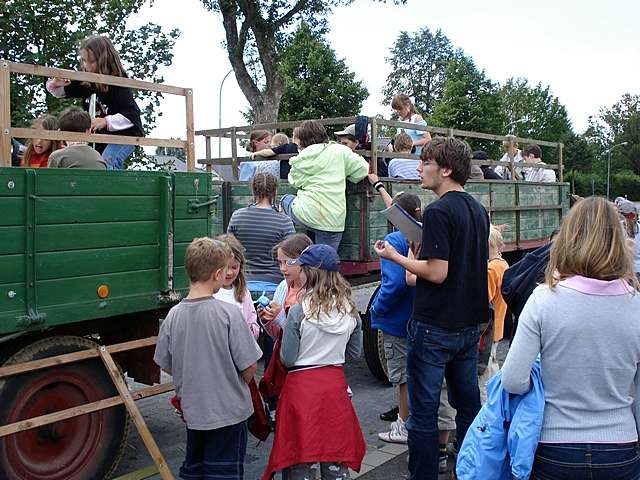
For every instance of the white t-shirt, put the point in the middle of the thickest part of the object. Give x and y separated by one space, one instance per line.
228 295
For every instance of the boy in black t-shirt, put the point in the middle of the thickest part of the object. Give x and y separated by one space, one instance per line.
451 300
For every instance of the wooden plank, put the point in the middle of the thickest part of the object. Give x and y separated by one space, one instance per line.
97 138
463 133
5 115
140 474
135 414
93 209
190 147
234 154
373 162
13 211
12 240
215 132
65 291
12 182
76 263
207 149
75 181
74 236
25 367
41 71
560 163
80 410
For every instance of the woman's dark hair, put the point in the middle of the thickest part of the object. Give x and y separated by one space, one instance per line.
256 136
311 132
264 185
293 245
410 203
451 153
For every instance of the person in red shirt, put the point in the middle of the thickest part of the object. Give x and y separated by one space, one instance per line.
38 149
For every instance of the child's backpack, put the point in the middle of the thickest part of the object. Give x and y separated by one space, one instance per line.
522 277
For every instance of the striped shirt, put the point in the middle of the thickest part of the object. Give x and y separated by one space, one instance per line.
260 230
404 168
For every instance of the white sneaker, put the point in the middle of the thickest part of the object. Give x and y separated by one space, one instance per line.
397 434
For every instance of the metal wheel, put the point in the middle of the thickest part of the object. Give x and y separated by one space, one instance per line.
85 447
373 345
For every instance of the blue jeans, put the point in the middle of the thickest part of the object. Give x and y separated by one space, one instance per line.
586 461
215 454
332 239
434 354
115 155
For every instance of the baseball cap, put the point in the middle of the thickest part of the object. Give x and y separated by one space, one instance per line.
350 130
625 207
318 256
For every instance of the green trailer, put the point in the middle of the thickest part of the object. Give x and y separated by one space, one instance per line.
96 258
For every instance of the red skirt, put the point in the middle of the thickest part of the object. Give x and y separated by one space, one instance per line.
316 422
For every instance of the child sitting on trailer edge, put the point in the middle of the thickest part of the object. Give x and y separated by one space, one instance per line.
319 333
208 348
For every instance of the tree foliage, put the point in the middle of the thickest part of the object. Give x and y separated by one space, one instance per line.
418 64
48 33
469 102
615 125
316 83
533 111
256 31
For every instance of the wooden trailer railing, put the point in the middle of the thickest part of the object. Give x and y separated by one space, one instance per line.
125 397
236 133
7 131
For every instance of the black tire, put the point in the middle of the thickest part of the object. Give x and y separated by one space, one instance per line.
373 345
80 448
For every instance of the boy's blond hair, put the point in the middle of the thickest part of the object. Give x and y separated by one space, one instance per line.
402 143
279 139
496 241
204 256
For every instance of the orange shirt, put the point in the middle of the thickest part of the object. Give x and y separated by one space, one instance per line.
39 161
495 271
292 296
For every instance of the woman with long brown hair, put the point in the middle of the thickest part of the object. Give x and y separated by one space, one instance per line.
117 112
585 324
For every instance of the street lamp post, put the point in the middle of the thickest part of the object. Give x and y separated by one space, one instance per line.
220 112
608 152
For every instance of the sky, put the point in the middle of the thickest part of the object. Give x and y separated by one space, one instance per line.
587 51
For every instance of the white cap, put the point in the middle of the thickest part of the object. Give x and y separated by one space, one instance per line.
350 130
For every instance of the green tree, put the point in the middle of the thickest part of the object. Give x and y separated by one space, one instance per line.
418 64
316 83
617 124
256 31
48 33
179 153
534 112
469 102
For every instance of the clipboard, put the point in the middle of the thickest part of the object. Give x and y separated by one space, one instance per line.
404 222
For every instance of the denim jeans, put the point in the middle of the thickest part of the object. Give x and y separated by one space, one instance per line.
215 453
115 155
586 461
332 239
434 354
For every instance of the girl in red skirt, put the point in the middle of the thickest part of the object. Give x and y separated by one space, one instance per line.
316 420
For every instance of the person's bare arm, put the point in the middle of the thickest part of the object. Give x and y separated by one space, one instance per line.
410 278
249 372
433 269
267 152
386 198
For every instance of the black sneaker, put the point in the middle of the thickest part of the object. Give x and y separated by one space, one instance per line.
391 415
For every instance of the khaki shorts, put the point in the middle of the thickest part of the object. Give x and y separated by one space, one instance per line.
446 413
395 352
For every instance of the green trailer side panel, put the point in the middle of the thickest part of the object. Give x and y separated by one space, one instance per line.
51 238
92 209
13 211
93 183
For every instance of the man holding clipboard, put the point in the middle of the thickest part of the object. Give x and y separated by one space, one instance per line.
451 301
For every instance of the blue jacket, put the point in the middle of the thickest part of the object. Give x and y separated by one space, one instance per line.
502 440
393 304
